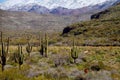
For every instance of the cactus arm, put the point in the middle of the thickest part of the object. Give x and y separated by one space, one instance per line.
7 45
1 38
28 48
2 44
39 40
20 49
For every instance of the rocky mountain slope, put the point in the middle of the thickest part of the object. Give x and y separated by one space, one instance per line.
103 29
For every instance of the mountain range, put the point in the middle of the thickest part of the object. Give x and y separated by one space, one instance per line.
55 19
58 7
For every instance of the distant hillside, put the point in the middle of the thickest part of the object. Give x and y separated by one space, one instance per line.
26 20
108 14
103 29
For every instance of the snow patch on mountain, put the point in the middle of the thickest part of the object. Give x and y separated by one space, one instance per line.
50 4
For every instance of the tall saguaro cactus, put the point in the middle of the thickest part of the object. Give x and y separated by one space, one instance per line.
46 45
40 47
20 56
4 51
74 52
29 48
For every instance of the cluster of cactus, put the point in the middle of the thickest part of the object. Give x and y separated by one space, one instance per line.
44 46
29 48
4 52
74 52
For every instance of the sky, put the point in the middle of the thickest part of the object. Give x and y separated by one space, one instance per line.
2 1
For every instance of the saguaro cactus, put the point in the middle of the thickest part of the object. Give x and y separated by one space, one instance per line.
29 48
74 52
46 45
20 56
41 50
4 52
40 47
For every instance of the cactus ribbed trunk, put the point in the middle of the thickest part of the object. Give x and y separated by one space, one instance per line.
46 45
42 48
74 53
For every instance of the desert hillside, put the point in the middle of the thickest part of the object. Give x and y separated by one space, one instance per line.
103 29
10 20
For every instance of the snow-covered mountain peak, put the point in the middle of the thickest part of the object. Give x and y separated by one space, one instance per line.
50 4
